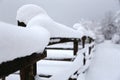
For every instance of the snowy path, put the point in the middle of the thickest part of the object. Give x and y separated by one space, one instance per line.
106 63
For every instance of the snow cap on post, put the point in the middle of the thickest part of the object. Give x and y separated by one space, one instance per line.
81 29
27 12
33 15
19 42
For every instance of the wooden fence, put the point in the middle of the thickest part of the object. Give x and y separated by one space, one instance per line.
27 64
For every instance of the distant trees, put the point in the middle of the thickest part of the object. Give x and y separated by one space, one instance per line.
108 28
111 26
92 28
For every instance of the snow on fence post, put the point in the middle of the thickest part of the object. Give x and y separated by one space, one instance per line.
90 50
32 68
30 71
90 40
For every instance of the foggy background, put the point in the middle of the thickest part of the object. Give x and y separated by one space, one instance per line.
67 12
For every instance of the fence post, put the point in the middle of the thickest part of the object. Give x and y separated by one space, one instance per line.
90 50
75 46
27 73
83 41
3 78
22 24
35 69
90 39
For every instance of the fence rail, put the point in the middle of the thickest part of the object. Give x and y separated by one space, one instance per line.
26 65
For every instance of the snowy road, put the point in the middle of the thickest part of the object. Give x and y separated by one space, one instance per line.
106 63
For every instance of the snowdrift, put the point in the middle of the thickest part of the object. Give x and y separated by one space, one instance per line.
18 41
40 18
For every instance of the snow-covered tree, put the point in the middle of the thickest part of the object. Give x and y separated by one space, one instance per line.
116 38
92 29
108 26
111 27
117 21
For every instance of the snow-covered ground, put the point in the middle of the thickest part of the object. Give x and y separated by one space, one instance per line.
106 63
61 70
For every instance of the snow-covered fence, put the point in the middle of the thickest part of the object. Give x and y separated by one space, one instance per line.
75 42
36 16
72 69
87 44
20 49
57 40
26 65
74 48
87 57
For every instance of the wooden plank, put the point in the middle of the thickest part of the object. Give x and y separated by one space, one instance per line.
59 48
83 41
65 59
27 73
75 46
35 69
90 48
62 40
44 75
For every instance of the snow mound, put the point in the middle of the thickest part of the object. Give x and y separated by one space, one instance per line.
83 30
26 12
91 34
77 25
34 15
56 29
19 41
80 29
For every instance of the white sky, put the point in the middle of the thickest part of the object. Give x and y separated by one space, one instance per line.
64 11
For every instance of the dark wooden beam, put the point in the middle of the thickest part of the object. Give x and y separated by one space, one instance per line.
55 48
21 24
12 66
83 41
75 46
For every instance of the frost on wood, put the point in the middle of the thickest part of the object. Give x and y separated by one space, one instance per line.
18 41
